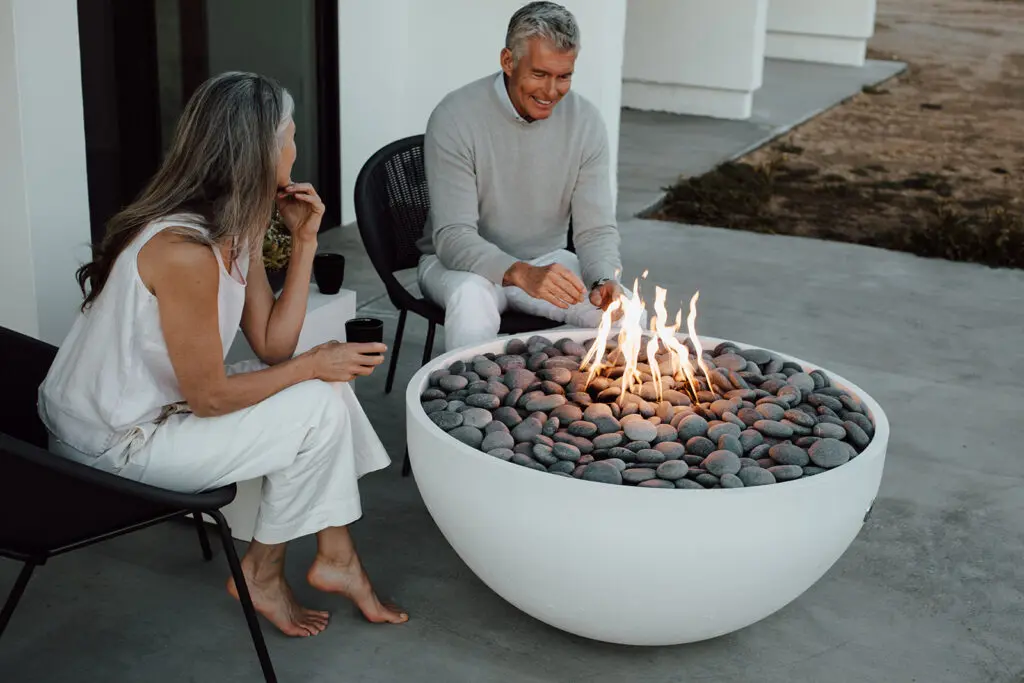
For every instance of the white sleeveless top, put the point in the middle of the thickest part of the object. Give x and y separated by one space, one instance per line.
113 372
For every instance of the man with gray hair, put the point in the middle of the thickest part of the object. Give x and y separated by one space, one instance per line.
511 159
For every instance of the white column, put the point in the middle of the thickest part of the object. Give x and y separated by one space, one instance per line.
833 32
694 56
43 182
399 58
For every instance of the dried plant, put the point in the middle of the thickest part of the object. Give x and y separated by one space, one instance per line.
277 244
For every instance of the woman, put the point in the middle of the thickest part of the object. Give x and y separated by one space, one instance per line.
139 388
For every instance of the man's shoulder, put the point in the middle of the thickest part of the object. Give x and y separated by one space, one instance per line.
465 99
581 110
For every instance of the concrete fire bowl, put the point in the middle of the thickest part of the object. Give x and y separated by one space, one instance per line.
638 566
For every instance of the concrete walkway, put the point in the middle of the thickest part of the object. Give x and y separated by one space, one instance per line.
931 590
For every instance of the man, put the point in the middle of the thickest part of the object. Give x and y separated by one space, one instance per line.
510 159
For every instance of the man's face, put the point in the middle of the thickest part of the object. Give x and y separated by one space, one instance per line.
540 80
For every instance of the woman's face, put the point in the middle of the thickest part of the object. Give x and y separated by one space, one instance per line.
287 157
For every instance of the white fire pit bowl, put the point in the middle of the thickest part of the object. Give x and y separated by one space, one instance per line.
638 566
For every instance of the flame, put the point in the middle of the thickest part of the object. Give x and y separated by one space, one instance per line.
663 337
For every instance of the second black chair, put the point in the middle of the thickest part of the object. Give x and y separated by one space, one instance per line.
392 204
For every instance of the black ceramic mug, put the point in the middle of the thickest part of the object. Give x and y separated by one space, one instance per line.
329 272
364 331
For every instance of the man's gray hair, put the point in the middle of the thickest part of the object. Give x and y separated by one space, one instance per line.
547 20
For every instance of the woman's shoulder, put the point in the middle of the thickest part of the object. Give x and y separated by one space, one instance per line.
170 255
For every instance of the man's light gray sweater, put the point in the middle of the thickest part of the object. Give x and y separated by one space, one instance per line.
502 190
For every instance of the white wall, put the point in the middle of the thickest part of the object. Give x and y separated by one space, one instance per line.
44 192
694 56
400 57
833 32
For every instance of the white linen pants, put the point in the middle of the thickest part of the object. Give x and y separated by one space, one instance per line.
310 442
473 304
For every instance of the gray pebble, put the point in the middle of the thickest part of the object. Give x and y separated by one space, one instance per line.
434 405
802 381
527 461
562 467
691 426
788 454
829 402
665 434
771 411
445 420
798 430
637 446
640 430
476 417
595 411
602 472
635 475
728 442
527 429
649 455
519 378
758 356
673 450
498 440
512 398
806 441
756 476
706 480
811 470
604 441
546 440
700 445
507 416
749 416
546 403
583 428
717 431
567 414
731 481
560 376
856 435
550 426
456 406
693 460
536 361
617 463
786 472
585 459
566 451
453 382
551 388
829 453
484 401
620 453
510 362
656 484
759 452
750 439
505 454
722 462
801 418
672 470
524 448
487 368
495 426
607 424
543 454
687 484
471 436
860 420
827 430
773 429
497 388
432 394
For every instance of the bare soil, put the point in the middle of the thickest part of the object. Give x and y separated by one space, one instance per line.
931 162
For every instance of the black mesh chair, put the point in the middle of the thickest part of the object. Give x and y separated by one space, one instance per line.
391 204
50 505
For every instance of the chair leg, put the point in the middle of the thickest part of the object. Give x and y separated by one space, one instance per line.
243 596
15 595
204 539
394 352
406 465
428 349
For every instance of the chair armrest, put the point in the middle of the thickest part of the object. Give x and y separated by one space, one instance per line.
62 467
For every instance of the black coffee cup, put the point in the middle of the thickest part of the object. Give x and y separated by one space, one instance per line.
329 272
364 331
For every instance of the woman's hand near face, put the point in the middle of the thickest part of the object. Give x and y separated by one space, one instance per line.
301 210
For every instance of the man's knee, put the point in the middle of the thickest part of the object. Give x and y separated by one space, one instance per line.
473 292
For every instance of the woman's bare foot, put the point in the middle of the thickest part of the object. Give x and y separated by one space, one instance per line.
273 599
349 579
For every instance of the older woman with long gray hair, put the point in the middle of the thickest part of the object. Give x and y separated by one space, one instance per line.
139 388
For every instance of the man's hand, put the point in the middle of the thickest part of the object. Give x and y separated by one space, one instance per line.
555 283
604 294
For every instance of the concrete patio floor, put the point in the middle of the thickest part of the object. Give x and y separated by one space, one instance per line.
931 590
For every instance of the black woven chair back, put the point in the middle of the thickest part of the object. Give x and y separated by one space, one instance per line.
392 204
24 362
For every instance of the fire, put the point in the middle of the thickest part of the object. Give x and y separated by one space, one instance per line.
674 361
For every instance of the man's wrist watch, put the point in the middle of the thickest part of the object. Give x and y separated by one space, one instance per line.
598 283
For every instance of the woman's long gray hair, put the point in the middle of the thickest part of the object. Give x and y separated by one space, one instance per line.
221 166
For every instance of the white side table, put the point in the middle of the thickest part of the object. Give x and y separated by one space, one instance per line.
326 315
